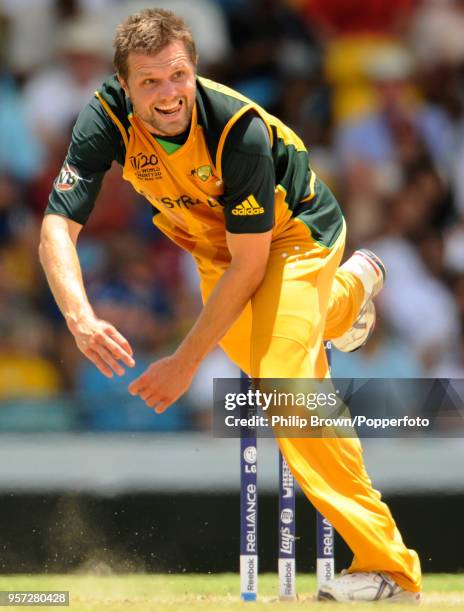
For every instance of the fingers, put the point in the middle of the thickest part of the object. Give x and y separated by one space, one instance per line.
145 394
162 383
98 361
162 406
103 345
109 360
150 394
138 386
120 340
133 387
106 341
159 405
151 401
109 352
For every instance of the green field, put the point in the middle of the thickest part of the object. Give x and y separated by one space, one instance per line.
191 592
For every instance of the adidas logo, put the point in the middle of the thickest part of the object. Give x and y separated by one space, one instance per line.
248 207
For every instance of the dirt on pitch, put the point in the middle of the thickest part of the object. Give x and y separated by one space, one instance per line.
192 592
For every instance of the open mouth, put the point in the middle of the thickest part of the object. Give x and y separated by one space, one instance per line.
169 111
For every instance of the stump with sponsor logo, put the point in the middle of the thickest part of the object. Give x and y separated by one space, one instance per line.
249 555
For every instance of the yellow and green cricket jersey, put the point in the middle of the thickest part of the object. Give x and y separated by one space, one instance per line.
237 168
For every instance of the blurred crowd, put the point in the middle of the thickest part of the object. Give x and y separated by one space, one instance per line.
375 89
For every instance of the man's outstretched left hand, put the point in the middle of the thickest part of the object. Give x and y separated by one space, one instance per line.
163 382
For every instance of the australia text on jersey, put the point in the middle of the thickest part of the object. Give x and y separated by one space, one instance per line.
183 201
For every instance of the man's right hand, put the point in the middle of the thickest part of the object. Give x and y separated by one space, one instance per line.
102 344
97 339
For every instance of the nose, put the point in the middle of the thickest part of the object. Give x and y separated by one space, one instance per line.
167 91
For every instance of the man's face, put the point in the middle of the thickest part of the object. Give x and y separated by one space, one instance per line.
162 88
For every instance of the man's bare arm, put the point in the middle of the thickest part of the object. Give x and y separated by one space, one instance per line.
98 340
250 253
167 379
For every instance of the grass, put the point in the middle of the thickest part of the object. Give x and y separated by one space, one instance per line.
192 592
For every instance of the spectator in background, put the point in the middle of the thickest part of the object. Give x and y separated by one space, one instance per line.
437 43
18 241
451 364
428 298
25 369
54 95
377 138
435 34
377 151
20 152
304 102
36 22
26 337
13 213
267 35
334 18
350 32
53 98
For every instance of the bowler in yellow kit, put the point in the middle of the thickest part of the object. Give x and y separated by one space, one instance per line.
232 185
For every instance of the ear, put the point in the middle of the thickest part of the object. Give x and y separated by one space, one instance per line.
124 85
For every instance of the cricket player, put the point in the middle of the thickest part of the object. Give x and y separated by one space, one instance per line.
232 185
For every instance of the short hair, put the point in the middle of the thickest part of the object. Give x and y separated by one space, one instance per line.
149 31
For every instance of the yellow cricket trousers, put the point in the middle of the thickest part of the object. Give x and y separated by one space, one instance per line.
303 299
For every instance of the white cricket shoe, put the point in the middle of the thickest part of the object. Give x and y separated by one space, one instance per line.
365 586
371 271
